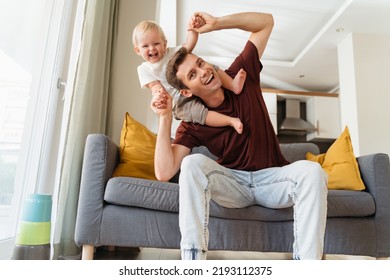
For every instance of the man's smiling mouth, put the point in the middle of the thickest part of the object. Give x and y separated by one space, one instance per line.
208 81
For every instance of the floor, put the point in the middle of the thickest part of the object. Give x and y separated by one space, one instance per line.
122 253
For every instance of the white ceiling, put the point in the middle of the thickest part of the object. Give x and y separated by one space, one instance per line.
304 40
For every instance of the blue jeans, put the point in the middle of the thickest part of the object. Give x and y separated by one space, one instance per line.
302 184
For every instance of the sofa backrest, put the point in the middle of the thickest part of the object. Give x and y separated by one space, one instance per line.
291 151
297 151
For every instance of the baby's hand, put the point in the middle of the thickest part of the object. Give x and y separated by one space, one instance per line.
203 22
160 98
161 103
196 22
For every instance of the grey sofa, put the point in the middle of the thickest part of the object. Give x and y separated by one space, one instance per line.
124 211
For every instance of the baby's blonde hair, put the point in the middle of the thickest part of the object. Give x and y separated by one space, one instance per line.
144 27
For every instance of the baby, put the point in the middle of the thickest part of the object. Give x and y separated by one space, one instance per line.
150 43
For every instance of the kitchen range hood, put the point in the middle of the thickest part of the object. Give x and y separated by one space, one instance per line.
293 124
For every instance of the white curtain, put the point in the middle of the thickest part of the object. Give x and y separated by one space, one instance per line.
85 112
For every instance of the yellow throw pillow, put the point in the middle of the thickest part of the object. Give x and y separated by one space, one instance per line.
340 164
136 151
317 158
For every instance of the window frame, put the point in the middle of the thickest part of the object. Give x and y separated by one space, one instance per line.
36 169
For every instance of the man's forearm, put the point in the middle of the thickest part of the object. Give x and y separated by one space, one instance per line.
259 24
163 156
247 21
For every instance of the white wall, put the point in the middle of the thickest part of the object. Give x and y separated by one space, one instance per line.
365 91
126 94
364 86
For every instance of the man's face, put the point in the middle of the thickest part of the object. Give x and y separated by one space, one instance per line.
199 76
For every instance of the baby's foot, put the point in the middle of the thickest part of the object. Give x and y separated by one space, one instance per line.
237 125
238 81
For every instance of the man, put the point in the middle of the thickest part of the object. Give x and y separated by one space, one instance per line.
250 168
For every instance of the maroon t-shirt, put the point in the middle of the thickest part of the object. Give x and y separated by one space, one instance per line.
257 147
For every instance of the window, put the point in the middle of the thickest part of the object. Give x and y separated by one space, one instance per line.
33 52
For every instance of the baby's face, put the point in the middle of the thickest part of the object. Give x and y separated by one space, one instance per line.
151 47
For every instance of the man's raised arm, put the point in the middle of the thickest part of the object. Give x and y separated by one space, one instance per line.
167 157
259 24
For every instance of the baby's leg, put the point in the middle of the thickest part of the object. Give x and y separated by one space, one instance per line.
237 124
219 120
238 81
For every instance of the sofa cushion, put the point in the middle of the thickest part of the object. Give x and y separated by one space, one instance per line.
347 203
163 196
143 193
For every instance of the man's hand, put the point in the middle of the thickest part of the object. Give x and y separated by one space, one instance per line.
161 103
202 22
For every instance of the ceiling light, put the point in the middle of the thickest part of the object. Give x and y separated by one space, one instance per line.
340 29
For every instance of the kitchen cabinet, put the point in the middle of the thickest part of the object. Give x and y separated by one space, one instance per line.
324 113
322 110
270 100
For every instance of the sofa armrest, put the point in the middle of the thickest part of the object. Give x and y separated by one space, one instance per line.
375 172
101 156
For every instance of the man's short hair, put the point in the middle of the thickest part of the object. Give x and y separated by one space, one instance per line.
172 67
